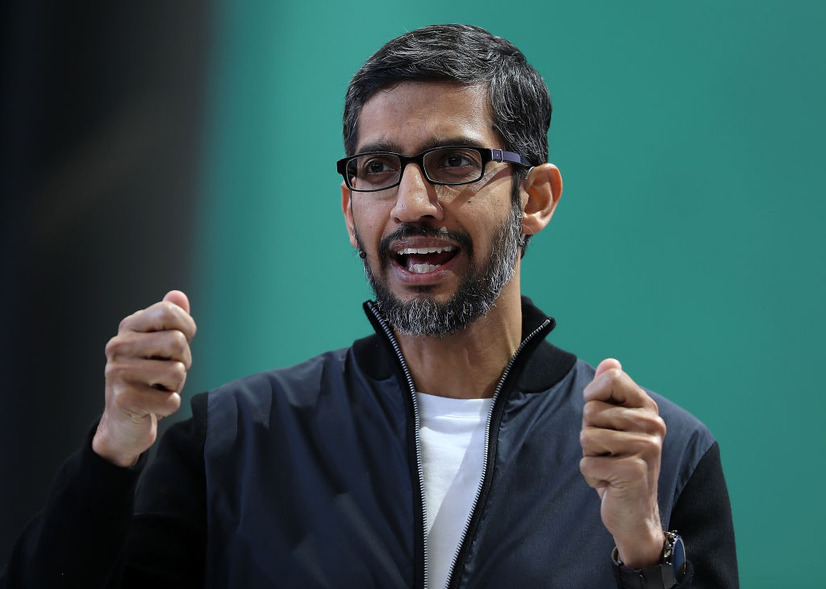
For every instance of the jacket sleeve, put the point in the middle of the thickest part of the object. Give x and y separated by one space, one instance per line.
702 516
96 531
77 539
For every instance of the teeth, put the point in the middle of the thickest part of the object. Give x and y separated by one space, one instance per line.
424 250
422 268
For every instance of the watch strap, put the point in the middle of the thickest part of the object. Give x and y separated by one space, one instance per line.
660 576
665 575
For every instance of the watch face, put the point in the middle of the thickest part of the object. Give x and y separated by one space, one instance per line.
678 556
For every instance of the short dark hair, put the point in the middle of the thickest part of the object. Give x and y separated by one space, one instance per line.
464 54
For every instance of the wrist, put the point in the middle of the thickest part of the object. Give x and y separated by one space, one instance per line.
103 447
643 550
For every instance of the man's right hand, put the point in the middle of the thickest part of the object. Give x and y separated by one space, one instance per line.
146 367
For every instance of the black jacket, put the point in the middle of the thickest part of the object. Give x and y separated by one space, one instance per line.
308 477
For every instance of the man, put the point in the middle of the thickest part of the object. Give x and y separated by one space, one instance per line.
455 447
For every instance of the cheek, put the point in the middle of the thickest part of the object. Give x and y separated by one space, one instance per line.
485 224
369 222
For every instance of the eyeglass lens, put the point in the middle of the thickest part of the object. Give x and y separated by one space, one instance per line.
445 165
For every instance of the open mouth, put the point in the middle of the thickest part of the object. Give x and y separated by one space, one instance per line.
421 260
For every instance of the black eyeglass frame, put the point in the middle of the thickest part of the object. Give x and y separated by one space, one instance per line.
487 155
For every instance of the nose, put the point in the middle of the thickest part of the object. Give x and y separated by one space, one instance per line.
416 198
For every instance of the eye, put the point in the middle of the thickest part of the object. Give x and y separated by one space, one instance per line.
454 164
377 165
457 159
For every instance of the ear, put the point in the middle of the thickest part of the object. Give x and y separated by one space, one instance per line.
347 209
544 188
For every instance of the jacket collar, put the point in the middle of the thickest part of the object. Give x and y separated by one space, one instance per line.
539 365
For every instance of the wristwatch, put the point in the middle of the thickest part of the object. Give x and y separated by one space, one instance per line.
667 574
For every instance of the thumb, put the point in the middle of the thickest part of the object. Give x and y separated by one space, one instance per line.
608 364
178 298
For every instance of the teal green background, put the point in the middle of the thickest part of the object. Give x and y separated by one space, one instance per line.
688 242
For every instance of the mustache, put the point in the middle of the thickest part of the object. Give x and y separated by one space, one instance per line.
413 230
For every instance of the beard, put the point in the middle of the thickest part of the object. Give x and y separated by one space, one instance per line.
477 292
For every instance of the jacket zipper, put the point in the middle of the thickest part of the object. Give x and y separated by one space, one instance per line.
412 389
486 460
416 424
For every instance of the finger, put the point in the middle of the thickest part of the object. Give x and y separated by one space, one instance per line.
599 414
162 375
138 402
602 471
162 316
608 364
615 386
178 298
606 442
161 345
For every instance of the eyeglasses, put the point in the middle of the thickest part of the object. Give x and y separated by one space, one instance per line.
449 165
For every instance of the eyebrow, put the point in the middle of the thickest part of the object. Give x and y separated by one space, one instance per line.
458 140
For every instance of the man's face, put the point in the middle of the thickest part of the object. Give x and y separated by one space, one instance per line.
437 256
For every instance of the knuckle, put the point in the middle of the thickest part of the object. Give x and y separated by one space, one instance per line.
174 402
170 405
655 426
661 427
172 377
124 323
652 443
649 423
168 310
586 466
113 346
648 447
168 306
179 341
179 370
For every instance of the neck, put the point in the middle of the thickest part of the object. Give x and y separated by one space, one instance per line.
469 363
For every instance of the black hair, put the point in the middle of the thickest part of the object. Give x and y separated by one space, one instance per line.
465 54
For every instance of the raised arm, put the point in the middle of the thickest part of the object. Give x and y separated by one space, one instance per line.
146 368
79 539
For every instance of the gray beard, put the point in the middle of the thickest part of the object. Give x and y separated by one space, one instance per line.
475 297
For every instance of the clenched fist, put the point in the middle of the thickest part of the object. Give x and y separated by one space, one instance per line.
146 367
622 438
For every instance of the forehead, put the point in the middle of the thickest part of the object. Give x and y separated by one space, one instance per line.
412 116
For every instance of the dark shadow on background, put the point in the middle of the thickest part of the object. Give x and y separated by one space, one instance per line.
101 117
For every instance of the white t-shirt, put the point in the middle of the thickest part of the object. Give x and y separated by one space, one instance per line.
452 433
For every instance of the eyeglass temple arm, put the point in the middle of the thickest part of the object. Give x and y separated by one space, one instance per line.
499 155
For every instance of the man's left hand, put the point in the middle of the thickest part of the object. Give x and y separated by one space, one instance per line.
622 438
